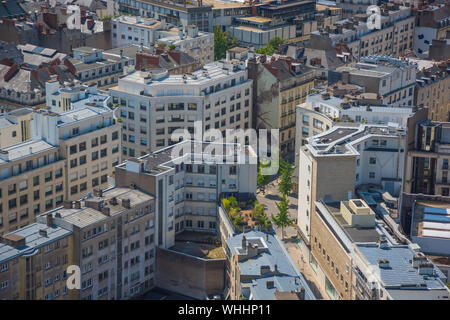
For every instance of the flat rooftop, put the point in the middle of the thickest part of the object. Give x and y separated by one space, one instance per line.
33 240
432 219
24 149
85 216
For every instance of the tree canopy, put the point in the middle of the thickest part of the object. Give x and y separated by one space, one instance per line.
286 170
282 219
271 47
222 42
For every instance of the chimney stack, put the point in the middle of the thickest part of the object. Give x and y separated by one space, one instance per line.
244 242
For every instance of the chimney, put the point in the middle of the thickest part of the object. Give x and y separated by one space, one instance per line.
244 242
113 201
382 242
345 77
49 219
383 263
106 211
264 269
126 203
77 205
121 53
418 260
42 232
426 269
98 192
275 268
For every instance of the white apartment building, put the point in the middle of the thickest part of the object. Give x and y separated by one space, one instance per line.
188 191
127 30
152 106
336 161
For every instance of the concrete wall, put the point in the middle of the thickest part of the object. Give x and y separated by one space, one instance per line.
189 275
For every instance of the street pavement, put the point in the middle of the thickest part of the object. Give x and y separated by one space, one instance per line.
269 200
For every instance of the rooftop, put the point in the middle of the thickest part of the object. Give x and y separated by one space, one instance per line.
271 255
23 149
91 206
34 239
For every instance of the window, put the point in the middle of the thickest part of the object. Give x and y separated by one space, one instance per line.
94 155
372 160
372 175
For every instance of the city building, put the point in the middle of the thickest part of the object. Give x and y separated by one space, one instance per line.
279 84
153 105
260 268
172 60
32 181
15 126
372 154
128 30
21 86
175 12
9 51
113 239
190 40
188 180
81 125
392 79
40 252
432 83
95 66
426 165
431 24
47 27
356 258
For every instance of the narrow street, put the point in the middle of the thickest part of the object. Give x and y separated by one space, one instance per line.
269 200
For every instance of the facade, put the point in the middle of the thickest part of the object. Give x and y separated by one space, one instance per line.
128 30
373 154
278 86
395 37
178 13
153 105
259 268
41 253
432 84
431 24
96 66
15 126
391 79
32 181
113 238
426 168
187 193
86 134
359 260
190 40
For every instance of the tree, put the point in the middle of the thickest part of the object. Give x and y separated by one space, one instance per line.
261 179
222 42
172 46
233 201
286 170
271 47
226 204
282 219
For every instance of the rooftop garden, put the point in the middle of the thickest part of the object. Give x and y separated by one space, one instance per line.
246 215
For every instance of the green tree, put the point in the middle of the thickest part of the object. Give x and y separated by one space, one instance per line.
261 179
282 219
271 47
226 204
172 46
222 42
286 170
233 201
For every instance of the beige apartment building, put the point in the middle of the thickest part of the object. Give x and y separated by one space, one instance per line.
279 85
86 134
32 181
15 126
114 242
41 254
